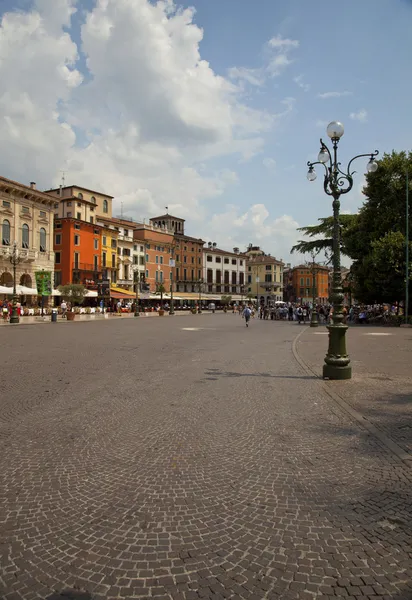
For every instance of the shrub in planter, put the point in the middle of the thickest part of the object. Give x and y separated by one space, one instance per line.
161 312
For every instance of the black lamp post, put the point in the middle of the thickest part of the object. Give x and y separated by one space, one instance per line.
172 266
15 259
337 182
314 318
200 283
137 284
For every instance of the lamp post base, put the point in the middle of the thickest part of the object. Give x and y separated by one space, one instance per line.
337 373
171 311
314 320
137 313
14 318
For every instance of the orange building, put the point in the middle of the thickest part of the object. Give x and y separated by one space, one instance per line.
298 284
77 246
158 243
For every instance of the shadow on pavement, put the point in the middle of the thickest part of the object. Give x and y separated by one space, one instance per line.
69 595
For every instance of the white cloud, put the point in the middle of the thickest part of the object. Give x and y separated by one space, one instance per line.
299 81
283 43
361 115
327 95
269 163
275 236
145 120
253 76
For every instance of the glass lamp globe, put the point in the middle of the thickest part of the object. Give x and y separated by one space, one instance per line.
311 174
335 130
372 166
323 156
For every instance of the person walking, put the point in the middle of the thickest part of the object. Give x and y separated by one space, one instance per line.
247 313
64 309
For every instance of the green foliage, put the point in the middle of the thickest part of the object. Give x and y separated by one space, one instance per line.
322 235
225 300
73 292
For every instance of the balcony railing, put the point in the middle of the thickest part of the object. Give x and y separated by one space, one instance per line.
86 267
27 254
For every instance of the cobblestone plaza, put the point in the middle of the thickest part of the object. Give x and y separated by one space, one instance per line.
188 458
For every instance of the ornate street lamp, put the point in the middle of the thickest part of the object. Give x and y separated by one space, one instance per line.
136 277
337 182
200 283
172 265
15 258
314 318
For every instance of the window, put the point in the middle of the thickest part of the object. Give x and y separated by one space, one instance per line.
126 251
177 258
268 267
25 236
80 195
57 258
77 240
77 226
193 260
241 263
268 277
113 261
157 275
233 277
157 259
25 210
209 258
96 232
105 206
301 281
78 215
170 275
69 203
57 278
249 278
184 259
218 277
249 268
104 259
58 239
185 274
147 258
42 239
234 261
161 276
193 274
147 246
307 281
69 214
185 248
91 220
161 260
43 214
7 204
226 261
114 244
79 204
96 263
104 240
126 232
199 260
218 259
96 244
57 224
177 273
93 199
141 249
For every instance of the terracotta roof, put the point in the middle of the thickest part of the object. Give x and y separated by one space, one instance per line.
130 224
57 199
182 236
79 187
264 258
166 217
227 252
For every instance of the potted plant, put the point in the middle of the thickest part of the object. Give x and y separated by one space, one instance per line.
225 300
161 290
73 293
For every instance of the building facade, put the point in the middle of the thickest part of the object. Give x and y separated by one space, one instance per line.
158 245
264 276
299 287
26 217
224 272
68 203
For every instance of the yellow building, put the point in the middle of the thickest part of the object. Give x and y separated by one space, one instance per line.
264 276
109 253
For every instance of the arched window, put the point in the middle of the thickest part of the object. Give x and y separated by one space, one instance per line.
42 240
80 196
25 236
93 199
105 206
6 233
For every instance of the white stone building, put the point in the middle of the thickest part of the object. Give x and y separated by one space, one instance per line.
224 273
26 216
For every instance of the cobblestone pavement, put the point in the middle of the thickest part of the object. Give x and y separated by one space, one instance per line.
381 384
186 459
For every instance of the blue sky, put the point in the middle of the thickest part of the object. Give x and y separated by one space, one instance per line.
356 54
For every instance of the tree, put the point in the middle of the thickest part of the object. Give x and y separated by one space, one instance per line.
370 241
73 292
323 236
161 290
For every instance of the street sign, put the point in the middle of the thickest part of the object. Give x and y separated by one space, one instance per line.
43 282
172 262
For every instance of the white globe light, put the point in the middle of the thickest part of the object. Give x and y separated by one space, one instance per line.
372 166
335 130
323 156
311 174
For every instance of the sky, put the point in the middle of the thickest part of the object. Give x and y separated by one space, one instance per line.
210 107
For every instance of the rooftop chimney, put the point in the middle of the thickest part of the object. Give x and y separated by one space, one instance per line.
33 185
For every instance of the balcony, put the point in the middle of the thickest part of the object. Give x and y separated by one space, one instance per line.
125 238
86 268
27 254
268 285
